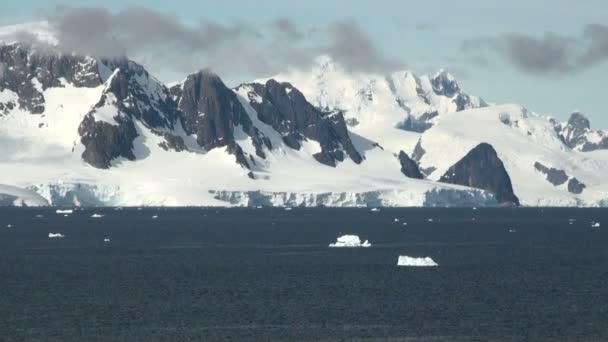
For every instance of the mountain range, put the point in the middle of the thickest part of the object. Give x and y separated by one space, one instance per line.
85 131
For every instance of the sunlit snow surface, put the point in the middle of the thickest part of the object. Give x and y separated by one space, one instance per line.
42 153
350 241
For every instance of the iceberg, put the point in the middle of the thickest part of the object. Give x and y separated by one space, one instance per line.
66 212
350 241
595 225
106 240
56 236
405 260
97 216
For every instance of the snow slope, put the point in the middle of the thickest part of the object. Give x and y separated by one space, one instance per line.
10 195
521 138
377 105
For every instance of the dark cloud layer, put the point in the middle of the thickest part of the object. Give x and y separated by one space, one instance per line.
549 54
229 48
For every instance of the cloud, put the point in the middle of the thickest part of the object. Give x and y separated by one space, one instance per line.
355 49
550 54
238 48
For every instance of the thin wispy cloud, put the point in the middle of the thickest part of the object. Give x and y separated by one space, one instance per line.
550 54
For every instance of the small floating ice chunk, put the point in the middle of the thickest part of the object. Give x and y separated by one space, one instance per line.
56 236
39 216
106 240
288 209
595 225
97 216
405 260
404 223
64 212
375 209
431 220
396 220
512 230
9 226
155 217
350 241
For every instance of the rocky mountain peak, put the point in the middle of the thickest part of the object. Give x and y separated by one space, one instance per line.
482 168
445 84
284 107
579 121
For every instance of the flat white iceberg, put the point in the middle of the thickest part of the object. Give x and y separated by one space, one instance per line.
56 236
350 241
405 260
595 224
97 216
68 211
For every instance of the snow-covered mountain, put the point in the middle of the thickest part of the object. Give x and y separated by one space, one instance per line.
79 130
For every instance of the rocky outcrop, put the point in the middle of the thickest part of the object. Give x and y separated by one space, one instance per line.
28 73
554 176
130 95
576 187
577 134
285 108
560 177
444 84
212 111
482 169
409 167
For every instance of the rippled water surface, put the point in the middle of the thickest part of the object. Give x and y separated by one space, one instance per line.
268 274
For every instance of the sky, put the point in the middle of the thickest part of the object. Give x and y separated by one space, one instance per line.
548 55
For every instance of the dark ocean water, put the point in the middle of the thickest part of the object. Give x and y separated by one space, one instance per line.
267 274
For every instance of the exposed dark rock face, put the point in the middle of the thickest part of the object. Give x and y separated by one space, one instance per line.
32 72
105 142
212 111
577 134
482 169
173 143
418 152
285 108
420 124
554 176
132 94
444 84
575 186
409 167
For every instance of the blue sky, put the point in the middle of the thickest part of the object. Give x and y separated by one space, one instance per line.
426 36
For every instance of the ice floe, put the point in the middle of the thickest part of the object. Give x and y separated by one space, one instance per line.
9 226
375 209
405 260
56 236
64 212
155 217
97 216
350 241
106 240
595 225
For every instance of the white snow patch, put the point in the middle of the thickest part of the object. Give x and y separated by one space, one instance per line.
350 241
